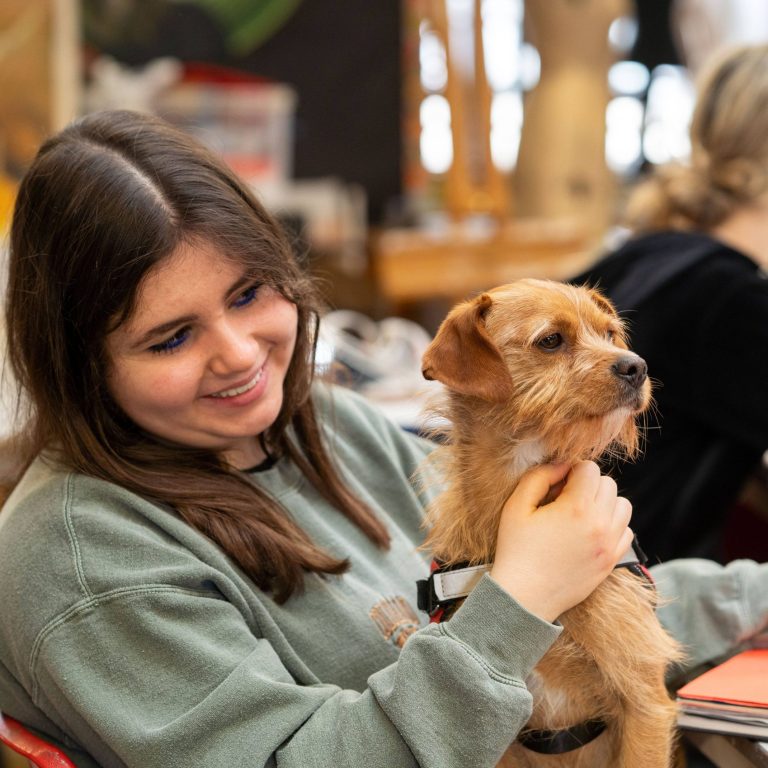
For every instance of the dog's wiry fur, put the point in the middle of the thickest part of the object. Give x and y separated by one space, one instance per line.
511 402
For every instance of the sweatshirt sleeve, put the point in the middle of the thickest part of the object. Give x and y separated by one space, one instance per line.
164 676
712 609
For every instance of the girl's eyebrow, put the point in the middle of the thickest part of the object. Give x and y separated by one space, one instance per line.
176 322
162 329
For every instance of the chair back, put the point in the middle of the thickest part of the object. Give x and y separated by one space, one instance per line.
39 752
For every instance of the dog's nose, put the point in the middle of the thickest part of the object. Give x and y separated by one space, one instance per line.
631 369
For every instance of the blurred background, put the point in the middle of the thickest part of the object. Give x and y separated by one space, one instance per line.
417 150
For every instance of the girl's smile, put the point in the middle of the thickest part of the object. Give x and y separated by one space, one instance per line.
249 386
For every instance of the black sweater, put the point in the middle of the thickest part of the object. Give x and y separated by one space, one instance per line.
704 333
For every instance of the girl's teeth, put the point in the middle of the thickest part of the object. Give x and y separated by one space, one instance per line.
239 390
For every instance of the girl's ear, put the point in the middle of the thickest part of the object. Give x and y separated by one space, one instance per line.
465 358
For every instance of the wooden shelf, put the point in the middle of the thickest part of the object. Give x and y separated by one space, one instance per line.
412 265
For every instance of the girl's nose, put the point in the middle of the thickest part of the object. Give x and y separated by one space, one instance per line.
232 351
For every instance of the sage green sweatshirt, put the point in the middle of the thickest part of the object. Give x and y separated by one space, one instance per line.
131 640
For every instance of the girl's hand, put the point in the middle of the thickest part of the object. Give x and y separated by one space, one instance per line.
551 556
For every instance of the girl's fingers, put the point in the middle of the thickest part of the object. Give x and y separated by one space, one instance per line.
583 481
536 484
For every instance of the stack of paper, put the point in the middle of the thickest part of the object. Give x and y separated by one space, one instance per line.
732 698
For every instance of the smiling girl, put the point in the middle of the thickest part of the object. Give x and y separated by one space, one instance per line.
203 358
209 558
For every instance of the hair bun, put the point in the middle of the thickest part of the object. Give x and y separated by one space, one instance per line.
742 178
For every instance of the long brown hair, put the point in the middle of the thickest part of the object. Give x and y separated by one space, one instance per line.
728 167
104 202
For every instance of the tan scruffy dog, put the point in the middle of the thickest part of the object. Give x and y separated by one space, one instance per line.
538 371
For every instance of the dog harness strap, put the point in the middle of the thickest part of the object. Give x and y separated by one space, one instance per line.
446 584
635 560
566 740
449 583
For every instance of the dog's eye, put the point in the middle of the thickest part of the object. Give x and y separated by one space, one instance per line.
553 341
610 334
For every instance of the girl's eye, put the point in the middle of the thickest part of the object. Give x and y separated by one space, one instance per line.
172 343
246 297
552 341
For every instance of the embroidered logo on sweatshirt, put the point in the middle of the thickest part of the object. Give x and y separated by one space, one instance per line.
395 619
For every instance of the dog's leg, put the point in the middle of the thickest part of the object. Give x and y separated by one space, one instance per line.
598 754
649 733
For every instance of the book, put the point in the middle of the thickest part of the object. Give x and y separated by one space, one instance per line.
724 727
731 698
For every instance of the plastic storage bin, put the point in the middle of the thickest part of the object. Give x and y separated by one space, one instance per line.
249 124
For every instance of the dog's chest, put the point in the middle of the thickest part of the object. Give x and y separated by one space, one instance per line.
526 454
595 659
549 697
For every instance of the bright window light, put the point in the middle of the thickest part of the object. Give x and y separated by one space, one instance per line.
460 34
432 61
623 135
435 143
506 125
622 33
511 66
629 78
668 114
502 38
530 66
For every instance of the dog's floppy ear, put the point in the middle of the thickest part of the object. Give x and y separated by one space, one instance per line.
464 357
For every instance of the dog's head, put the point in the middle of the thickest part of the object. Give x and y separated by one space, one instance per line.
551 360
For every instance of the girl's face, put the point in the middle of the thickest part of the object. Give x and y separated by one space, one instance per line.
202 360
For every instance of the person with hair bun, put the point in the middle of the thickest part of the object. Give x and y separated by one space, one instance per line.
691 282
